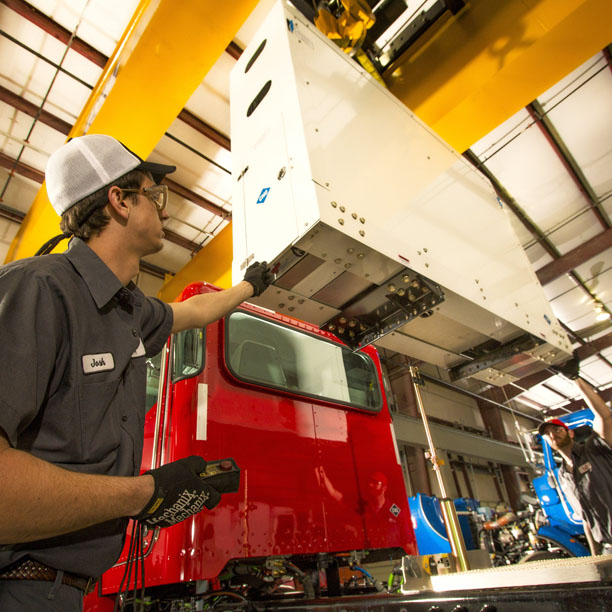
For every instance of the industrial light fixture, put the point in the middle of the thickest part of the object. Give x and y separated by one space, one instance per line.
602 315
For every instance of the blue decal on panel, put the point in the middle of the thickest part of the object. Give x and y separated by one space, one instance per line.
263 195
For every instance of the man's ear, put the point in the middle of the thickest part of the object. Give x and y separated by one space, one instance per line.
118 205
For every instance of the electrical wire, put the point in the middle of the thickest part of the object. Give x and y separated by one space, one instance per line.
134 560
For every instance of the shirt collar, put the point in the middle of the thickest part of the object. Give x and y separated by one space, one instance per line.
100 280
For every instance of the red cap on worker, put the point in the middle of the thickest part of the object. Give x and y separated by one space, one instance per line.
558 422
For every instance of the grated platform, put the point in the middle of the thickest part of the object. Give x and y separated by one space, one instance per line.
555 571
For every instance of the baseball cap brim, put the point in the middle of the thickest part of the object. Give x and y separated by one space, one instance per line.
545 424
158 171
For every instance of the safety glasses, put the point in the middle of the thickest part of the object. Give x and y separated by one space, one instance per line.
157 194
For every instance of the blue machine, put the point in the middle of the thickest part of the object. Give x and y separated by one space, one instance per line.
563 523
428 523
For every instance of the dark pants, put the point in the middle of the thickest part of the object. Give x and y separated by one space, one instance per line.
39 596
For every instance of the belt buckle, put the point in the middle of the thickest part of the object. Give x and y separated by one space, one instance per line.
90 585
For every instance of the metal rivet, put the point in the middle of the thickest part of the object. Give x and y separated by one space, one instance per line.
354 215
360 255
334 204
361 220
338 260
341 221
281 305
361 233
342 209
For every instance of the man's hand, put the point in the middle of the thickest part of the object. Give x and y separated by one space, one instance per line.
259 276
570 369
179 493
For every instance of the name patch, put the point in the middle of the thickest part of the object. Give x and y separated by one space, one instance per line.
585 467
99 362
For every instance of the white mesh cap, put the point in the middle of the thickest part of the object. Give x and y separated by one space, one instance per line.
87 163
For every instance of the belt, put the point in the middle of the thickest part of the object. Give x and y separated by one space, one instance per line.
32 570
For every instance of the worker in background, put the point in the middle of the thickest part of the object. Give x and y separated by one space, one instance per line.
76 333
586 472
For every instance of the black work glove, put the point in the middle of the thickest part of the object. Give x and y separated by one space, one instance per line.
259 275
570 369
179 493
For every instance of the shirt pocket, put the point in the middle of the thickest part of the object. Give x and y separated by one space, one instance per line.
100 421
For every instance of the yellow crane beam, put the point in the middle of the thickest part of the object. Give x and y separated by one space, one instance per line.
479 67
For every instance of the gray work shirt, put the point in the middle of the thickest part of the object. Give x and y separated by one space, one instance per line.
72 374
590 480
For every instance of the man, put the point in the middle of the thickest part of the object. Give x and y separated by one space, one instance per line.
586 472
76 333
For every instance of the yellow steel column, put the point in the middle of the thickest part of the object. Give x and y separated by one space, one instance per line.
484 64
212 264
163 56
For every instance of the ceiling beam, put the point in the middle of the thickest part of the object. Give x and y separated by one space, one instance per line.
13 166
181 241
11 214
578 404
196 198
32 110
538 114
153 270
576 257
203 128
62 34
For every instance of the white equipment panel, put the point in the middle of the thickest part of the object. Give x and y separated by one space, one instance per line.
377 230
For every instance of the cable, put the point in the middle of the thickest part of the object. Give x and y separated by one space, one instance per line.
134 558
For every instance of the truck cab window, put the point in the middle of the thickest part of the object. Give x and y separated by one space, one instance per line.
269 354
187 361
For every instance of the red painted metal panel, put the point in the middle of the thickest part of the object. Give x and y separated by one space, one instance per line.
316 476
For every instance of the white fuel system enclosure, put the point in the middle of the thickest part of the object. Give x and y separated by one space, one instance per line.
377 230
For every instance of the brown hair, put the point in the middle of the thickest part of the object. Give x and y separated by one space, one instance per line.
87 217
